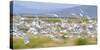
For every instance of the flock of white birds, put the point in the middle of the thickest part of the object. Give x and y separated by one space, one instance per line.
53 30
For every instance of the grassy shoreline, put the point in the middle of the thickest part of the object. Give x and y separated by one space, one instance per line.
44 41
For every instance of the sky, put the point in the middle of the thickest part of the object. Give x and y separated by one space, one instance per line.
30 8
40 5
21 6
